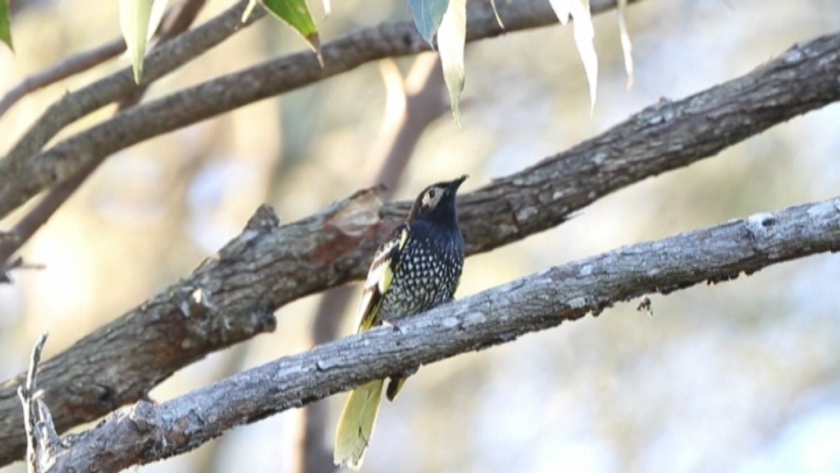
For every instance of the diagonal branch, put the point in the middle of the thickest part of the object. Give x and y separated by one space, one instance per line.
177 20
268 266
222 94
83 61
90 98
144 432
63 69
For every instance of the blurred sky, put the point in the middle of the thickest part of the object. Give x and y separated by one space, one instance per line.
742 376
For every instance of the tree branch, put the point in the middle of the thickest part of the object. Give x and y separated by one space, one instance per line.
63 69
176 21
145 432
71 65
268 266
27 394
222 94
90 98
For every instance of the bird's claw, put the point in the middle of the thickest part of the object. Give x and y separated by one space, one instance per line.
392 326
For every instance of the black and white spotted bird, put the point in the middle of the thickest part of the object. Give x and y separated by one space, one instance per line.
417 268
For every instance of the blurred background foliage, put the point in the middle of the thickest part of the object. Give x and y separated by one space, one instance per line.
742 376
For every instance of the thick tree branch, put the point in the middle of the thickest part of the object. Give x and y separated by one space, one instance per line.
222 94
145 432
268 266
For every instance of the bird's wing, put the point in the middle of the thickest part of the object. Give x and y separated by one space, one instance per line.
381 273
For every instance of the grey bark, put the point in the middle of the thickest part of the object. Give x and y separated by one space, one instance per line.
145 432
268 266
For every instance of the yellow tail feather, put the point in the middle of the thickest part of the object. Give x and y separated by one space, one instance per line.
355 426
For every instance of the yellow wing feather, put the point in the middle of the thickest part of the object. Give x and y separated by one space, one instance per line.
355 426
379 278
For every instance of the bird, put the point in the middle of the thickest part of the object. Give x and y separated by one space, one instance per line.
417 268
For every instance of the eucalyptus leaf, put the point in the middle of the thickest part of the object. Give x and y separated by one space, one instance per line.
451 38
584 36
138 20
296 14
626 44
5 29
427 16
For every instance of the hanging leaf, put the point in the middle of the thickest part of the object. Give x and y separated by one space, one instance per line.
626 45
584 34
248 10
496 14
451 37
296 14
5 29
427 16
139 19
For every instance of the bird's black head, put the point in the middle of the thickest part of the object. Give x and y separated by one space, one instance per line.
437 202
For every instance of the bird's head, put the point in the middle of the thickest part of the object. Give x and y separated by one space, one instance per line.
436 202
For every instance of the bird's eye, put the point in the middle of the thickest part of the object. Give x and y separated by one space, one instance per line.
432 194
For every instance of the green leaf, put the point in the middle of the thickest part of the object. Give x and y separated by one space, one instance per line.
584 35
451 37
296 14
139 19
5 29
427 16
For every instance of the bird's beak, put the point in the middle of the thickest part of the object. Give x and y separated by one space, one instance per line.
454 185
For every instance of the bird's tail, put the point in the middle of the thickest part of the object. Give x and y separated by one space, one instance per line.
355 426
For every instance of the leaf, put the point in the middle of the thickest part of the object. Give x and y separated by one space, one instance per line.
427 16
584 34
5 29
626 45
296 14
451 38
496 13
139 19
248 10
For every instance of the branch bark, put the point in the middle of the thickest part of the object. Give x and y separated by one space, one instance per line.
268 266
65 68
146 432
90 98
176 21
83 61
39 172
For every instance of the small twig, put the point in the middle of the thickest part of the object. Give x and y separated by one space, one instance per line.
32 412
17 263
63 69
